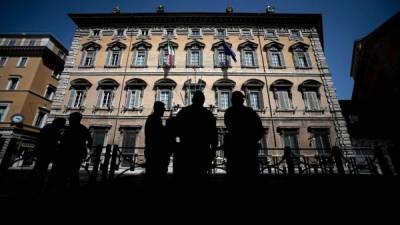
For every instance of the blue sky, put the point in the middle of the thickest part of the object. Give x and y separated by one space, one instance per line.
344 20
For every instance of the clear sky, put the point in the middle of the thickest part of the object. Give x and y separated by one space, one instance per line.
343 20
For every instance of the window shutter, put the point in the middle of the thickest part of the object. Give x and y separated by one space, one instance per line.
282 59
314 100
269 58
99 97
229 99
296 59
84 97
307 100
128 98
94 58
218 98
119 58
158 97
72 98
280 99
146 53
308 59
135 57
216 58
84 53
137 98
160 58
188 58
108 59
255 58
201 57
170 99
248 97
111 103
242 58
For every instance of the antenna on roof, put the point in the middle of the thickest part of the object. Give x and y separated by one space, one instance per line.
229 8
270 8
116 9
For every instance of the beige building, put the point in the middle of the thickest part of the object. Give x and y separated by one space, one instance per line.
119 64
30 69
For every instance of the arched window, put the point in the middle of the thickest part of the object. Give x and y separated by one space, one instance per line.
301 57
164 88
223 90
220 58
134 93
274 55
311 95
78 89
190 87
89 52
253 90
114 54
283 94
167 54
194 54
106 93
140 53
248 54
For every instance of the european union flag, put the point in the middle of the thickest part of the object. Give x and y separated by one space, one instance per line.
228 51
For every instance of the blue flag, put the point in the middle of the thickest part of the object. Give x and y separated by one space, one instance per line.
228 51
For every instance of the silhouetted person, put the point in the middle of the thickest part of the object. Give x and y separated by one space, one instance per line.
198 137
156 152
241 141
46 148
74 144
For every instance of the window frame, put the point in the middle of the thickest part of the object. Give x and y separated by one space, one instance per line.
9 83
51 97
43 119
3 63
19 64
7 107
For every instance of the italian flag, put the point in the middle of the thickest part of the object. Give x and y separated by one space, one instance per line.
171 55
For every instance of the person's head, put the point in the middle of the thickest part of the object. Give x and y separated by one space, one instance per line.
237 98
75 118
198 98
59 122
159 108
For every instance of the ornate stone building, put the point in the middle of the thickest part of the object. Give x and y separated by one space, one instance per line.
30 68
119 64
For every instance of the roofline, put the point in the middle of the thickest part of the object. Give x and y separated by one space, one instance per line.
251 19
36 35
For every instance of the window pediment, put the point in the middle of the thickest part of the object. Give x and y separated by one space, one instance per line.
165 83
107 83
80 82
116 45
248 45
190 84
164 44
135 83
224 83
195 45
141 45
253 83
219 45
273 46
91 46
299 47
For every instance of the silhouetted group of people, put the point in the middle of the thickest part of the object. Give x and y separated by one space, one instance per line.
192 138
65 147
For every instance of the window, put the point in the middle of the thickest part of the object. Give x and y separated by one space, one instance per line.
144 32
77 97
190 87
99 135
311 95
194 54
140 52
129 135
220 58
106 93
248 54
301 58
167 53
3 111
120 32
50 92
282 94
41 117
289 139
223 88
295 35
96 33
32 43
3 61
195 32
274 55
22 62
164 89
134 98
246 33
106 99
220 33
253 89
12 43
114 56
89 51
12 83
320 140
169 33
270 33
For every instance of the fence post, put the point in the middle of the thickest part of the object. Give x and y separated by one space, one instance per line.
105 163
96 162
382 161
337 156
289 159
113 164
